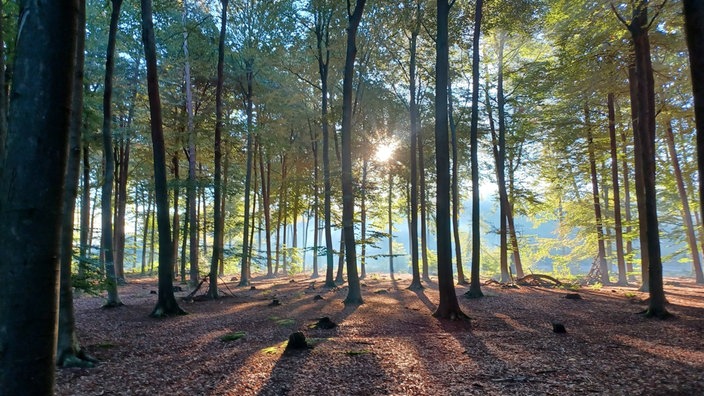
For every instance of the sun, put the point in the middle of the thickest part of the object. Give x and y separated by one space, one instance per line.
385 151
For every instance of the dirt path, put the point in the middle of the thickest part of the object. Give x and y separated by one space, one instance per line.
391 345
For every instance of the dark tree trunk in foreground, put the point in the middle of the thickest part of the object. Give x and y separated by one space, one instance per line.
686 213
218 218
475 289
354 293
601 255
645 138
448 307
618 226
3 90
106 240
31 188
69 352
166 304
694 31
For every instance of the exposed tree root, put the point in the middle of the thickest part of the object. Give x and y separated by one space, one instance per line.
538 280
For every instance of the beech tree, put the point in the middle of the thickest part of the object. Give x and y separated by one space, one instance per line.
31 187
166 304
448 307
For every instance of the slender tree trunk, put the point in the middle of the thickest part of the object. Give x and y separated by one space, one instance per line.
601 255
363 220
244 273
267 209
3 89
391 225
106 245
85 211
449 306
455 187
423 207
184 240
322 34
414 117
618 226
627 195
147 218
218 219
191 191
475 286
686 213
69 352
166 301
316 202
31 204
176 219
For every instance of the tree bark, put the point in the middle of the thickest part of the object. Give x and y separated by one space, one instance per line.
686 213
414 117
455 187
475 286
601 252
694 32
69 352
106 249
448 307
166 303
218 218
618 226
354 293
31 187
244 272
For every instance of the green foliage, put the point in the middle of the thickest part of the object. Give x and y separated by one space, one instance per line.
234 336
357 352
283 322
91 279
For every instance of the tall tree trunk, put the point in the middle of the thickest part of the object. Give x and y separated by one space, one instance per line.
85 220
423 207
686 213
31 207
244 273
106 244
475 287
316 200
166 301
601 255
191 191
618 226
414 117
455 186
267 209
694 32
69 352
322 34
645 138
218 219
449 306
176 226
354 293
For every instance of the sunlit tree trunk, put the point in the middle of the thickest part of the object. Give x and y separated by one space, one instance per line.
618 227
686 213
244 272
414 117
601 253
455 194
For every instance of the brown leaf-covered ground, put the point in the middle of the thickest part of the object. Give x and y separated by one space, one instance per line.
391 345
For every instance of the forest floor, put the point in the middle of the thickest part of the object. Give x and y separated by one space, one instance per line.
391 345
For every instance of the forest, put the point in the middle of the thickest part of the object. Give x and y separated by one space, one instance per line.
423 178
